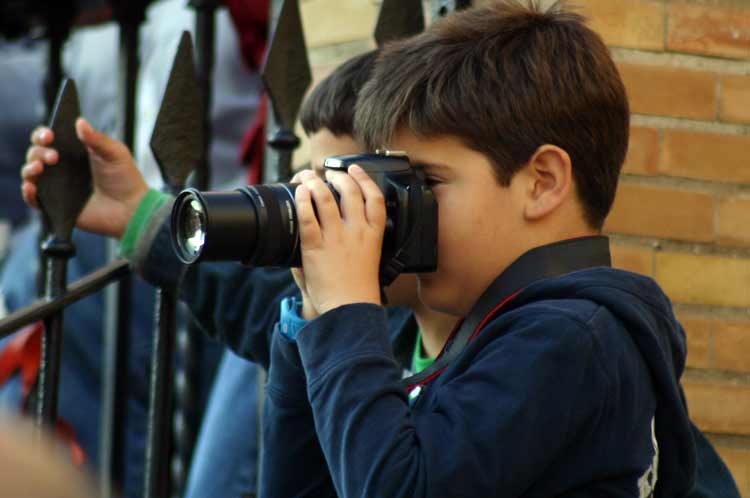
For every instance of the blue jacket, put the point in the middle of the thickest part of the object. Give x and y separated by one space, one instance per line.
213 293
565 392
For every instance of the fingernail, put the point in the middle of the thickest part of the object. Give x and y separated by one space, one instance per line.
44 136
356 168
50 156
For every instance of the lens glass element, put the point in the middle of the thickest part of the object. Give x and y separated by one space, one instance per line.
193 227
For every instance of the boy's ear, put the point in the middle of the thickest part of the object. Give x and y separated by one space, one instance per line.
550 175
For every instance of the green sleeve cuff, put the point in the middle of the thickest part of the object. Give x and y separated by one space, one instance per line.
152 201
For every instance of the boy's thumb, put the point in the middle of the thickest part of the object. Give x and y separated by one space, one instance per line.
99 143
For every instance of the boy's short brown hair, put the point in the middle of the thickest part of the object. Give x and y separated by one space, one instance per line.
331 103
507 79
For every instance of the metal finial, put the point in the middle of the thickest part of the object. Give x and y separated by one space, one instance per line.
63 189
178 136
399 19
286 72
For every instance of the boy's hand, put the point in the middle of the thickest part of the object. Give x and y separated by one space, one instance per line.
308 311
118 185
341 252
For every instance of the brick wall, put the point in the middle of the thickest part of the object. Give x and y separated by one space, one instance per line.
682 214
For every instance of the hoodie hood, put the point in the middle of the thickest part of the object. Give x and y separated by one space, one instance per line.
646 312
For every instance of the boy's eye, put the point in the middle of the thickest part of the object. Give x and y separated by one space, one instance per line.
431 181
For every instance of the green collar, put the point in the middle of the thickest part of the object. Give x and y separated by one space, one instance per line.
418 361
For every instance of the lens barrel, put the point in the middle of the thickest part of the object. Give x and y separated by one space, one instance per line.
255 224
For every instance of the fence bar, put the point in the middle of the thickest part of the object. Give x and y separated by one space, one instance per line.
61 193
158 483
286 74
58 20
116 345
57 253
43 308
205 44
178 146
186 419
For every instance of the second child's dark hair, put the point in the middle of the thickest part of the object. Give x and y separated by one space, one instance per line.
506 79
331 103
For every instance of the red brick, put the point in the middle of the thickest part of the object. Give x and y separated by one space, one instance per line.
720 407
735 99
633 258
329 22
627 23
643 151
704 279
709 30
661 212
732 346
666 91
738 461
705 156
698 331
733 227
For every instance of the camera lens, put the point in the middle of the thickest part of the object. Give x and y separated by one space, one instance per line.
256 225
213 226
193 225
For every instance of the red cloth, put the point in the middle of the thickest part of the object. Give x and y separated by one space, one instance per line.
251 18
23 353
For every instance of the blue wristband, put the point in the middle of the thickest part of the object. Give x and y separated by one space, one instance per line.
290 321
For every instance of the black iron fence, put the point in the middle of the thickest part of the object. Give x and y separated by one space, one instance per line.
180 142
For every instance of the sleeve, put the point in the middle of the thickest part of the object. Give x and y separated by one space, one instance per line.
233 304
293 464
505 409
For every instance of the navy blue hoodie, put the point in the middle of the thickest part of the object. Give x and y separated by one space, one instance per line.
237 307
571 389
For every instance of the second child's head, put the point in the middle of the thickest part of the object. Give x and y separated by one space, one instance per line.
327 116
521 121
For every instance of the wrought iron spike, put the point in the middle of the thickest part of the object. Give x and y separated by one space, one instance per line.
399 19
64 188
130 11
178 136
286 72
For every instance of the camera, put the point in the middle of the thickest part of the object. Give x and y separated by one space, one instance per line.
257 224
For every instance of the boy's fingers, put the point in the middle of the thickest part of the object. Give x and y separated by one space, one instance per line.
352 206
44 154
297 178
325 204
374 199
42 135
32 170
101 144
309 230
28 192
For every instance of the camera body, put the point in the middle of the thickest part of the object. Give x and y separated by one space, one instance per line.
257 225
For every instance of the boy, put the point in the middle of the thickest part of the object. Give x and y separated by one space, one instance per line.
564 378
224 318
